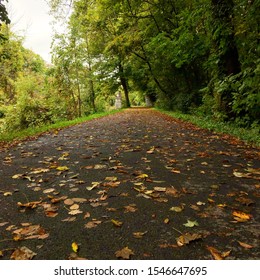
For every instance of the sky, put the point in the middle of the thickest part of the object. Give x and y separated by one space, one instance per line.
30 19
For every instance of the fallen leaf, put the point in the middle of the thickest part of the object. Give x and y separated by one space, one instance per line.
94 185
68 202
74 256
187 238
30 232
160 189
31 205
7 193
79 200
69 219
245 245
75 247
241 216
200 203
142 176
92 224
172 191
176 209
23 253
125 253
100 166
62 168
116 223
173 170
111 184
40 170
191 223
75 212
217 254
49 190
130 208
139 234
166 221
111 179
87 215
74 207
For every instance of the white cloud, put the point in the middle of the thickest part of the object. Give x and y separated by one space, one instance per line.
30 18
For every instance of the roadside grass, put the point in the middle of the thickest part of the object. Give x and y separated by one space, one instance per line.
35 131
249 135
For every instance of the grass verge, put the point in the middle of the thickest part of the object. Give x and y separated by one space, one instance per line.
249 135
34 131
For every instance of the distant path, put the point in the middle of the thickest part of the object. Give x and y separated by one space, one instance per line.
137 184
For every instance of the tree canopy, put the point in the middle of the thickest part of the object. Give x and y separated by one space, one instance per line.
199 57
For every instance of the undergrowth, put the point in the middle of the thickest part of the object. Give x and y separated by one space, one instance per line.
249 135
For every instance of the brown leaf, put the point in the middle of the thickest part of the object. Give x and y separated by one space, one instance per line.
125 253
87 215
111 184
130 208
245 245
30 232
74 207
172 192
68 202
31 205
215 253
23 253
75 212
187 238
92 224
69 219
49 190
57 199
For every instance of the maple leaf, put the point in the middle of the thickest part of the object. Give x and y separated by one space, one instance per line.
191 223
187 238
125 253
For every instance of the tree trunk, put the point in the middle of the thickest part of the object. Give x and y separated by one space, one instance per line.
123 81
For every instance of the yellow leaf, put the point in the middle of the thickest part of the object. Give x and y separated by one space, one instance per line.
116 223
166 221
75 247
139 234
142 176
241 216
62 168
7 193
